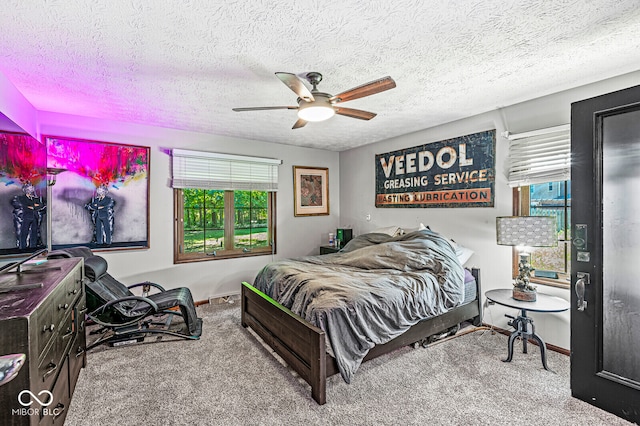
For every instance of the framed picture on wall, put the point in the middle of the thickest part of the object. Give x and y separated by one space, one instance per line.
310 191
23 194
101 196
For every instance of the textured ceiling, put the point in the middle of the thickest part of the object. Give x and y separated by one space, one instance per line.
185 64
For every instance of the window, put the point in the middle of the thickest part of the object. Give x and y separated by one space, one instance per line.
224 205
539 169
552 264
216 224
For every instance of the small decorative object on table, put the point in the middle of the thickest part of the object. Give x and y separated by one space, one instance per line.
526 231
522 287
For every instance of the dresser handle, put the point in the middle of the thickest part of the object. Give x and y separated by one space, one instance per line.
60 407
48 328
69 333
74 291
51 369
61 306
80 351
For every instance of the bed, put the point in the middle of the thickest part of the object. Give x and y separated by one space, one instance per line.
327 314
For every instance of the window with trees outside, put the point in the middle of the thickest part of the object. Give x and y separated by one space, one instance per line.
552 264
222 224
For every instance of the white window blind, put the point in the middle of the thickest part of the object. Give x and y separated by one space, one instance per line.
209 170
539 156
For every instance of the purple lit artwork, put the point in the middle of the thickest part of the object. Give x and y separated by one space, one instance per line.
23 204
100 198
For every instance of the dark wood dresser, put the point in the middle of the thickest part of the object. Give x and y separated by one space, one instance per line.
47 325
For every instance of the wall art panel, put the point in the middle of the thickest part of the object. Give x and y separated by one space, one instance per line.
101 195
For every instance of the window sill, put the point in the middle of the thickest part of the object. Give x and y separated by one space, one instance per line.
228 255
562 282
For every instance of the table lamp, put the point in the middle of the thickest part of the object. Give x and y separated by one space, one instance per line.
522 232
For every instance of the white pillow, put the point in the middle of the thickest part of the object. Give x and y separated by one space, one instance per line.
393 231
462 253
420 227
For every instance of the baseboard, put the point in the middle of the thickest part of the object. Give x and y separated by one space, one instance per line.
230 298
551 347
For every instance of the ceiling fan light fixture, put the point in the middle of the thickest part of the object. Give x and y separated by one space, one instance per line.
314 105
318 110
316 113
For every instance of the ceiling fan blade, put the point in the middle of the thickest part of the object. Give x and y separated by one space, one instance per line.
294 83
355 113
367 89
299 123
264 108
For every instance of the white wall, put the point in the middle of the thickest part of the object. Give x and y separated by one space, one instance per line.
471 227
296 236
16 113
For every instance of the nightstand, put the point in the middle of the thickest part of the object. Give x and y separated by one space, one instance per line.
523 324
329 249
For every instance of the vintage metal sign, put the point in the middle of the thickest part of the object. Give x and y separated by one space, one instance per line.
458 172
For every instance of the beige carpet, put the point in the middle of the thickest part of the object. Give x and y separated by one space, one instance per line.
228 378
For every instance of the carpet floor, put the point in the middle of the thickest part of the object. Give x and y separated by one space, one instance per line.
229 378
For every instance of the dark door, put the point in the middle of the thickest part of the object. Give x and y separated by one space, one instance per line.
605 258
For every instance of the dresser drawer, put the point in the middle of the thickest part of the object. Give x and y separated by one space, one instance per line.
45 326
57 410
49 368
77 358
52 358
62 307
66 334
72 285
79 319
54 313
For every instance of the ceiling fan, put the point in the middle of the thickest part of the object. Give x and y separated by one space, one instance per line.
318 106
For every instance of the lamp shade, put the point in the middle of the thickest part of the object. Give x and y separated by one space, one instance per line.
529 231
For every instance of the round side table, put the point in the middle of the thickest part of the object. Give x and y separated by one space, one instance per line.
544 303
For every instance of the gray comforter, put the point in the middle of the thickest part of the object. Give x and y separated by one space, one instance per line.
370 292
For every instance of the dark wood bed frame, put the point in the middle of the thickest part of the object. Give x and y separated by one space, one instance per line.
302 345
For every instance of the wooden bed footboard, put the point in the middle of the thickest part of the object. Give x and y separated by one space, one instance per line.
302 345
